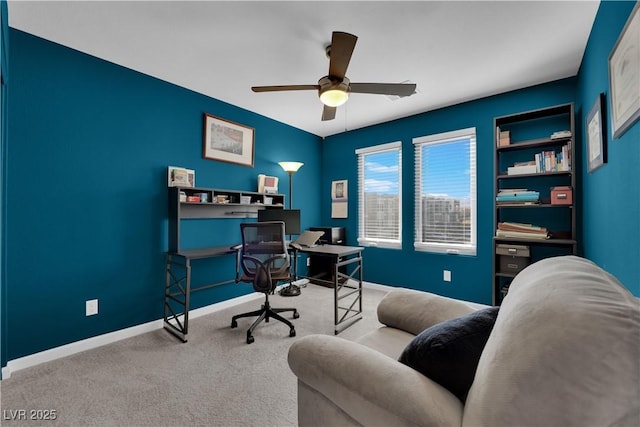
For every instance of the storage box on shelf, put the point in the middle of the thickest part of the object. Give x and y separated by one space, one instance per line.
534 178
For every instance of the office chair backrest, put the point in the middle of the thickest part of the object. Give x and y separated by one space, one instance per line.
265 258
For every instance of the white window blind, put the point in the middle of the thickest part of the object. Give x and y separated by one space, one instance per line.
380 195
445 192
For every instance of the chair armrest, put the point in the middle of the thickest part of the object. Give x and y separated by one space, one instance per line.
370 387
414 311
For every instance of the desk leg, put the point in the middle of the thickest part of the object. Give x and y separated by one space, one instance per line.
176 296
347 285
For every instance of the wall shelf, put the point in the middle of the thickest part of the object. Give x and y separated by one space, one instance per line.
208 207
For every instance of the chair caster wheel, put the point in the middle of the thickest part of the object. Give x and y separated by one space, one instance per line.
234 324
296 314
250 339
292 333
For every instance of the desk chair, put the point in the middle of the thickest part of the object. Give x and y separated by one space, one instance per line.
265 261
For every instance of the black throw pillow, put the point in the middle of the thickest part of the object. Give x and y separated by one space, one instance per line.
448 353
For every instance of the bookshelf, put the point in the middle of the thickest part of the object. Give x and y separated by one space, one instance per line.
534 158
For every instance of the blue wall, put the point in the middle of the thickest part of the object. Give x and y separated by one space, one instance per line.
610 228
611 202
4 48
471 275
89 144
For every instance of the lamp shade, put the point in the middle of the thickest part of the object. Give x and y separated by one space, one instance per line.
334 97
291 167
333 93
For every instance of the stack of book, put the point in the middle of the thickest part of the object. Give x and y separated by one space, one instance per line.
561 134
521 231
517 196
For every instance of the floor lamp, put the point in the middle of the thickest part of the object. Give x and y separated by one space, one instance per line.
290 168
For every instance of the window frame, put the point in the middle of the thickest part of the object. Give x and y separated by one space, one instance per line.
361 154
419 244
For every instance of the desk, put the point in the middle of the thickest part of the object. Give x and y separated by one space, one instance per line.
177 290
347 284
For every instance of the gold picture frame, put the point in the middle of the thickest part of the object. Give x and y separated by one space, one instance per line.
227 141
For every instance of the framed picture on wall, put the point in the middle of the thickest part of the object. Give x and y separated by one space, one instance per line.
596 136
624 76
227 141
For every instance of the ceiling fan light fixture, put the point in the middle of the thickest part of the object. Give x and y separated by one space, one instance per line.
332 93
334 97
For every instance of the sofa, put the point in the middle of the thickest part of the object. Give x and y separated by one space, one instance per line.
564 351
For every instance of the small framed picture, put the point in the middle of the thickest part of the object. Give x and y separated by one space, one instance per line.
227 141
181 177
596 135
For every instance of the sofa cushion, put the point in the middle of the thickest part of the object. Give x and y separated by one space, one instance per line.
414 311
565 351
448 352
388 341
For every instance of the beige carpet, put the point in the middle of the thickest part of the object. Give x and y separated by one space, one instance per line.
215 379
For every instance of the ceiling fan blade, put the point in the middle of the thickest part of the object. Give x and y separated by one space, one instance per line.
342 45
284 87
328 113
399 89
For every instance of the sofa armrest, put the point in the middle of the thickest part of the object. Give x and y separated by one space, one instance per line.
414 311
370 387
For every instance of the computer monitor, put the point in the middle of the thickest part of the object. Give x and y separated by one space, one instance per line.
290 217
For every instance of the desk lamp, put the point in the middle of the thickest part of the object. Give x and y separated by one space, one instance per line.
290 168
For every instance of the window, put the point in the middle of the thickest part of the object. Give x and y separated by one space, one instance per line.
445 192
380 195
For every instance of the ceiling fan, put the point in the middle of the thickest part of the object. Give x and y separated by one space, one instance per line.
334 88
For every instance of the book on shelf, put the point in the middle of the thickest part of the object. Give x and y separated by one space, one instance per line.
550 161
561 134
516 195
503 204
518 226
544 161
522 231
522 235
522 168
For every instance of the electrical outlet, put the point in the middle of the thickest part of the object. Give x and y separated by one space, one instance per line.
446 275
92 307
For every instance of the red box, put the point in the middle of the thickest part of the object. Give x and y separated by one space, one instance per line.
561 195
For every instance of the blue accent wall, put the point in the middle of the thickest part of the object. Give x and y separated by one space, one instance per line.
89 142
4 48
608 226
89 147
471 275
611 202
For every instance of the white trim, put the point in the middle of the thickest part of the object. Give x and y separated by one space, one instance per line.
446 136
50 355
111 337
380 147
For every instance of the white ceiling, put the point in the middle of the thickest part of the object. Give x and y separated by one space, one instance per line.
454 51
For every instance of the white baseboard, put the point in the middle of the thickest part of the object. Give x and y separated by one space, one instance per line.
111 337
16 365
